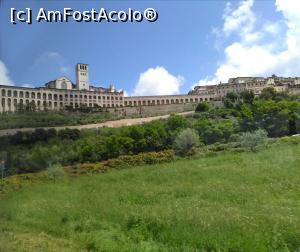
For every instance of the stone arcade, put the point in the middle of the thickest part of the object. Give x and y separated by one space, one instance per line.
59 93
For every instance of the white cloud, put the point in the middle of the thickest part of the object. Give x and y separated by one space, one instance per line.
125 93
27 85
51 60
4 75
261 49
158 81
272 28
45 57
241 19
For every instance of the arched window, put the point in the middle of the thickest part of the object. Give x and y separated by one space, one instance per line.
64 85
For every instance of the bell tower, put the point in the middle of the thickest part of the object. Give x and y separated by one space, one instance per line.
82 76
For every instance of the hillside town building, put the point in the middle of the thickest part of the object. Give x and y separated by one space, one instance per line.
256 84
61 93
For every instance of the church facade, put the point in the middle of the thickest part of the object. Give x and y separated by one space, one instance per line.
61 93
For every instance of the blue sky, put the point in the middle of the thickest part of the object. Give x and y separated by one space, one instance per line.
192 42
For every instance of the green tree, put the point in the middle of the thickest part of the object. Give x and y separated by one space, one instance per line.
230 99
56 171
186 142
268 93
202 107
175 122
252 140
247 96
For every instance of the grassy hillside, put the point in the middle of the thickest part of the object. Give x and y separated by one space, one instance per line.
228 202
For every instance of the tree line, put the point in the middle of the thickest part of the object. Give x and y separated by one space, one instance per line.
277 114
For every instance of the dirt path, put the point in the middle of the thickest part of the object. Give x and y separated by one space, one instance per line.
111 124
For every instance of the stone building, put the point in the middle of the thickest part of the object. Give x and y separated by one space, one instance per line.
256 84
60 93
134 101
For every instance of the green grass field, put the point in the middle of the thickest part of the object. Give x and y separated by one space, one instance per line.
228 202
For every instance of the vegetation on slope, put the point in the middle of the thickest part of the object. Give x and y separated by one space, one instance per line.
52 118
229 202
276 114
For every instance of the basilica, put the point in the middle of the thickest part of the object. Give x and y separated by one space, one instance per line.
61 93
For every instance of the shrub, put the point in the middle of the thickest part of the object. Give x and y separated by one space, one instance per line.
202 107
85 168
71 134
291 139
252 140
186 142
141 159
175 122
56 171
268 93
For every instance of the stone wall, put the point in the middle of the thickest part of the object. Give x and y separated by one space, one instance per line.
155 110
